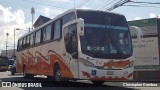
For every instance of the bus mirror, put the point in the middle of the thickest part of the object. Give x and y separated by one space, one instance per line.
81 27
136 31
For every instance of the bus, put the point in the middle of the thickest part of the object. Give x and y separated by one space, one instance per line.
78 45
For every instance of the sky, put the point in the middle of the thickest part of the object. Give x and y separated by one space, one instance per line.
17 13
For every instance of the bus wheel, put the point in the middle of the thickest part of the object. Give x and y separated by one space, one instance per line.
24 72
57 73
98 82
12 73
25 75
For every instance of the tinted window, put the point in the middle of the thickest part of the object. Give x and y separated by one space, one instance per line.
68 17
27 41
38 37
97 17
106 35
70 37
57 30
32 36
24 43
46 33
19 47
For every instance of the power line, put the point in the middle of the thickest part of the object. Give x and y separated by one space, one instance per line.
145 2
89 3
118 4
103 4
107 4
141 6
45 4
83 3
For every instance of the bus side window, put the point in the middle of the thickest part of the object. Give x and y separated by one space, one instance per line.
18 46
68 17
43 35
24 43
46 33
32 36
27 41
70 38
57 30
38 37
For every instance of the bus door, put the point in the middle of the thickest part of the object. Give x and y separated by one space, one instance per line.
71 46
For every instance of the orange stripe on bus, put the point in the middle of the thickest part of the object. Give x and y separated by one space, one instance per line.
116 64
64 68
40 63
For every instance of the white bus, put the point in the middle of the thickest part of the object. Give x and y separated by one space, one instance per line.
78 44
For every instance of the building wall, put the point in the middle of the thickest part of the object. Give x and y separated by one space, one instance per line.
146 51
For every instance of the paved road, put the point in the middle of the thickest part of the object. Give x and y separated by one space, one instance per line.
79 85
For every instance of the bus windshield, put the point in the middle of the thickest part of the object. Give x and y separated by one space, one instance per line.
106 38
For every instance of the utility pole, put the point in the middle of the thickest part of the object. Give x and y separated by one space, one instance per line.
7 34
120 3
14 53
33 13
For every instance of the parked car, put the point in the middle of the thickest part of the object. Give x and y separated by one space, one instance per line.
13 68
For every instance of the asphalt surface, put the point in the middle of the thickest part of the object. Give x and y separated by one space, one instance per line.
72 85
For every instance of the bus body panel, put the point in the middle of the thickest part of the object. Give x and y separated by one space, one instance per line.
116 71
41 59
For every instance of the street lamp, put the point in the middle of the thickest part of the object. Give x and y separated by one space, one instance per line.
14 41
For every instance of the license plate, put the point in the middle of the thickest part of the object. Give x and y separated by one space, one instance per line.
110 72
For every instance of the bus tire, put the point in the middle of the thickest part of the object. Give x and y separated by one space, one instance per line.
25 75
12 73
57 73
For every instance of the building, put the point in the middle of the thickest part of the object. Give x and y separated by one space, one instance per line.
10 53
41 20
146 52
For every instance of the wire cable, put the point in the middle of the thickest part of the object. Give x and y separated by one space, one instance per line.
145 2
141 6
44 4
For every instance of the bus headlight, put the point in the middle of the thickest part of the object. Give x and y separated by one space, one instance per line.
87 63
129 65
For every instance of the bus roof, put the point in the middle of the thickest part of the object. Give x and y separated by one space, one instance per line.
66 12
